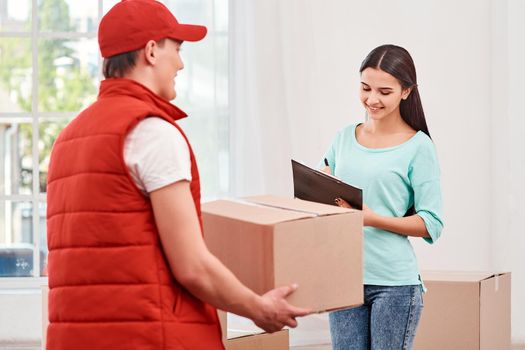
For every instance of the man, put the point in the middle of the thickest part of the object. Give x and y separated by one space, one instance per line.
128 268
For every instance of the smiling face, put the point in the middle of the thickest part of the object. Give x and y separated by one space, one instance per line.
381 94
168 63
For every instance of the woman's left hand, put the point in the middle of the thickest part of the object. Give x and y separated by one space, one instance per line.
368 214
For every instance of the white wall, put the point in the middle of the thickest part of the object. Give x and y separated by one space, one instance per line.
452 54
508 236
20 313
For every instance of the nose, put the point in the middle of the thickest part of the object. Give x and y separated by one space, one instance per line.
373 98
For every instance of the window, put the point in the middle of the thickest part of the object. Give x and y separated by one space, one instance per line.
50 69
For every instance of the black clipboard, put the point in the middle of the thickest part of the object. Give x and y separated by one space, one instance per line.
315 186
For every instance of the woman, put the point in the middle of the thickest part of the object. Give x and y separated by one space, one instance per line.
392 158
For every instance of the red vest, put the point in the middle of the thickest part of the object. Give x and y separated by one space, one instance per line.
110 284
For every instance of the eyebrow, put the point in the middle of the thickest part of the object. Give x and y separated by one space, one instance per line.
381 88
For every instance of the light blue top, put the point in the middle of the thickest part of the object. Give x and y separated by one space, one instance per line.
393 179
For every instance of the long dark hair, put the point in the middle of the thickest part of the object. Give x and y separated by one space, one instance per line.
397 62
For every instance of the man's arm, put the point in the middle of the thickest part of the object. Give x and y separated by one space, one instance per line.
203 274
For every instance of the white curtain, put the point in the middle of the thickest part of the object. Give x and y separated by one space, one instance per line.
259 129
262 125
275 115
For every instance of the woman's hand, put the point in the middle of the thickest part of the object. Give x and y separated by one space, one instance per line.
406 226
326 170
369 216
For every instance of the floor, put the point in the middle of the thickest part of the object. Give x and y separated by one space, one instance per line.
310 347
312 329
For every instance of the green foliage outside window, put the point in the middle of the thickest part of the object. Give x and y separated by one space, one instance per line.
63 84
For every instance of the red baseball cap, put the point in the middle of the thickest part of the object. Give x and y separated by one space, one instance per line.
130 24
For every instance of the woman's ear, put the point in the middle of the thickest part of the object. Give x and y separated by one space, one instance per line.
150 52
406 93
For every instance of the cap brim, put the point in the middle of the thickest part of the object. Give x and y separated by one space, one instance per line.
189 32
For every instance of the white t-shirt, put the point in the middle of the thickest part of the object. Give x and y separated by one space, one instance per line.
156 155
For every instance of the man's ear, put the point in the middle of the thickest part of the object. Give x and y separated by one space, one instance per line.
150 52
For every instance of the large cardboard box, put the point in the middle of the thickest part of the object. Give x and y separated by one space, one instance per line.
465 311
250 338
270 241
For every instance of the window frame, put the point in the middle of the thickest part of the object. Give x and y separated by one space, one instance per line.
36 198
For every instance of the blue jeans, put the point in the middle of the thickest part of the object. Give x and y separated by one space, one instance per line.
387 320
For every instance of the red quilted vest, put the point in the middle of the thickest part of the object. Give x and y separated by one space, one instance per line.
110 283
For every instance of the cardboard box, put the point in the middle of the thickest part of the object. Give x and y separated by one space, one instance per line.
274 341
249 339
465 310
270 241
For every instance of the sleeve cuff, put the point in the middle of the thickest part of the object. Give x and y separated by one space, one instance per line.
433 225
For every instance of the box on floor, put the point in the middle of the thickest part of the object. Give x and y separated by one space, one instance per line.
269 241
251 338
465 310
274 341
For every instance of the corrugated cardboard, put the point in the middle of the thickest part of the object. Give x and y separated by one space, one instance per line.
465 310
250 339
272 241
275 341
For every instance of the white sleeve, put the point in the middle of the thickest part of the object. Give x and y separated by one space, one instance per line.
156 155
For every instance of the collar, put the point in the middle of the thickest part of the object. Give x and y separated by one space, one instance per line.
127 87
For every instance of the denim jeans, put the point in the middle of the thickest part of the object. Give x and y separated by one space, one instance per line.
387 320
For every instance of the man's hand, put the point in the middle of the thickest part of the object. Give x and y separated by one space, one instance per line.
277 312
203 274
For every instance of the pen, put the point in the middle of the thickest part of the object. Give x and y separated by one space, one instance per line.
326 162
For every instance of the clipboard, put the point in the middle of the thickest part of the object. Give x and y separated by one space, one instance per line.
316 186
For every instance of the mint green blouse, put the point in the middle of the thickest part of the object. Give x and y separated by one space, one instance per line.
393 179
